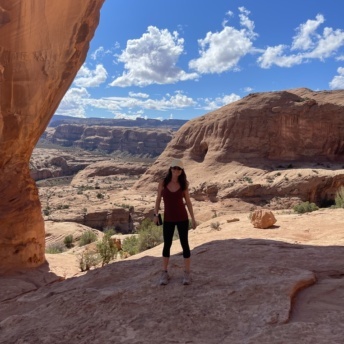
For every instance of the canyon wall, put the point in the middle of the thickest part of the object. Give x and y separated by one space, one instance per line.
43 43
136 141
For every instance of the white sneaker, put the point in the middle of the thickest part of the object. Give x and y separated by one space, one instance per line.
164 278
187 278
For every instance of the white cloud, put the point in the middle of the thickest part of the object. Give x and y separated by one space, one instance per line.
98 52
213 104
128 115
248 89
101 52
177 101
340 58
221 51
139 95
308 43
91 78
152 59
338 81
274 56
246 22
77 100
73 103
303 39
328 44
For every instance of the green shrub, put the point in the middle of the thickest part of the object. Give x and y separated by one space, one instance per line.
62 206
68 241
305 207
339 199
106 249
248 179
87 260
131 245
46 211
215 225
55 248
150 237
87 237
109 231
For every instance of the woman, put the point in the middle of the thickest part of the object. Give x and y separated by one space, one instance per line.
174 190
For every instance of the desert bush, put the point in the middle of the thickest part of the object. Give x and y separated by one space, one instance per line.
68 241
109 231
55 248
46 210
215 225
131 245
339 199
106 248
305 207
87 237
88 259
150 237
62 206
248 179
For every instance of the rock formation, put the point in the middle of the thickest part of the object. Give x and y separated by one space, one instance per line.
266 145
136 141
43 43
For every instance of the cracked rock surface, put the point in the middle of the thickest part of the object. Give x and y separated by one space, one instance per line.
249 285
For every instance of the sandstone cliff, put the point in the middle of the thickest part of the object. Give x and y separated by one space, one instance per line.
266 145
43 43
136 141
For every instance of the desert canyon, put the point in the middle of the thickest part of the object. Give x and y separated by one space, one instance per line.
268 151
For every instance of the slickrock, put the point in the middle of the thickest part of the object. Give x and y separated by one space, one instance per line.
267 145
43 43
282 285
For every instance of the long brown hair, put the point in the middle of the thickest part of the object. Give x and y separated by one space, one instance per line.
182 180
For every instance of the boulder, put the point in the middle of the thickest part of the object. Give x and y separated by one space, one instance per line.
263 218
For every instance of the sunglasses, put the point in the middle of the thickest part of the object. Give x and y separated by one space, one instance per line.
176 168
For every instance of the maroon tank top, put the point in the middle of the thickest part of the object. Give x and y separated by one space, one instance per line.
174 208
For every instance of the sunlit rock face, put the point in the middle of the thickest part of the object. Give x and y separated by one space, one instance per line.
43 43
296 134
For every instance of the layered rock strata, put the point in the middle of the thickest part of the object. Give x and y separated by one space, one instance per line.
136 141
273 144
43 43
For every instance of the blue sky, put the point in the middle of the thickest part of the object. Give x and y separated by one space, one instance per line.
181 59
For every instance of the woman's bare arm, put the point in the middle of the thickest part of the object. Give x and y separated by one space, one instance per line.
158 201
190 208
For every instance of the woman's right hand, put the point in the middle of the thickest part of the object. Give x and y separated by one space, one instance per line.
155 220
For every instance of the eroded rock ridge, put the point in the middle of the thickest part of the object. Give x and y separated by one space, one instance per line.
43 43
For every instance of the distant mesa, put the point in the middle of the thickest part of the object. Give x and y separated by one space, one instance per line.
173 124
143 137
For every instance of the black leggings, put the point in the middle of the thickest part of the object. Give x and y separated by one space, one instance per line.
183 231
